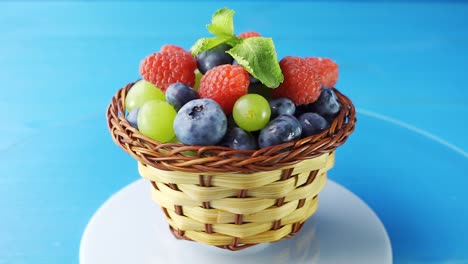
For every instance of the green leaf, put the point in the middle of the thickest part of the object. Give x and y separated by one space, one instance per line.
206 44
222 23
258 56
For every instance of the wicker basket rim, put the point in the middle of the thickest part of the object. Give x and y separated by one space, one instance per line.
176 156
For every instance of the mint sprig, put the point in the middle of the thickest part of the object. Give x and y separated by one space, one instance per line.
207 43
257 55
222 23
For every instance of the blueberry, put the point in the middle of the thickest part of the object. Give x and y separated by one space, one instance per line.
178 94
282 106
312 123
237 138
231 122
252 79
282 129
200 122
327 104
132 117
302 109
214 57
261 89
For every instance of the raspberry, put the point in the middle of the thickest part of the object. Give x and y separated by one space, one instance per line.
327 69
170 47
165 68
249 34
225 84
301 82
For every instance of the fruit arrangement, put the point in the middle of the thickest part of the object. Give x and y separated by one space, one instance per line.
235 143
231 90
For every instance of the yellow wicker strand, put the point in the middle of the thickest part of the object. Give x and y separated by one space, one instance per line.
249 232
166 196
309 190
237 206
158 197
203 194
214 216
177 197
242 231
248 229
235 180
302 214
281 188
181 222
243 206
269 191
207 216
268 236
217 239
259 214
271 214
182 198
214 239
258 210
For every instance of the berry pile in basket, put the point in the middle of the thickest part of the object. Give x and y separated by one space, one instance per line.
231 90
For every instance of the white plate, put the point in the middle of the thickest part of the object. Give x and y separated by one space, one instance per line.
131 228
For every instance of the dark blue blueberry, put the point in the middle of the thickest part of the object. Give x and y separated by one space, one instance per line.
261 89
214 57
282 106
252 79
327 104
178 94
132 117
237 138
312 124
231 122
301 109
200 122
282 129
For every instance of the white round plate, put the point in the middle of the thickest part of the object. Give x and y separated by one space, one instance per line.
131 228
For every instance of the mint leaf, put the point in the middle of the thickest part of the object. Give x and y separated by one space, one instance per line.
206 44
222 26
258 56
222 23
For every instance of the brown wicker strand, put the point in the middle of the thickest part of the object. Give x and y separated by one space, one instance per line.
170 156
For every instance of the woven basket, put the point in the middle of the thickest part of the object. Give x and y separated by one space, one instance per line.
230 198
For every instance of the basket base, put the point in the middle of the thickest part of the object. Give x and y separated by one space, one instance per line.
130 228
180 236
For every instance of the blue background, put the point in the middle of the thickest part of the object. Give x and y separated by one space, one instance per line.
61 62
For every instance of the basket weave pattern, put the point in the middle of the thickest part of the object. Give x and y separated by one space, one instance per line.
229 198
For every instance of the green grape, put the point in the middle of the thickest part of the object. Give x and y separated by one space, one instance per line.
251 112
141 92
188 153
155 120
198 77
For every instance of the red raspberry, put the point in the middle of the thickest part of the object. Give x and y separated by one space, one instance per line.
301 82
225 84
165 68
327 69
249 34
170 47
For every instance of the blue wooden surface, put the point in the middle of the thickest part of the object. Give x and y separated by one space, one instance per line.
61 62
